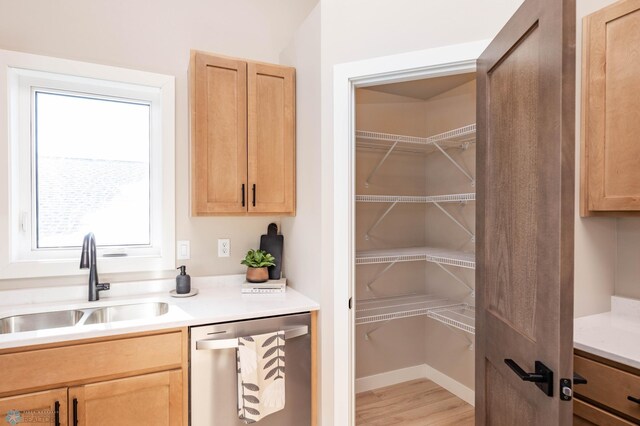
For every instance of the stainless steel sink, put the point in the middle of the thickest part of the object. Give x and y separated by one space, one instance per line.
127 312
39 321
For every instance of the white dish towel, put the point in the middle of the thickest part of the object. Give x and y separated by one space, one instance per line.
260 361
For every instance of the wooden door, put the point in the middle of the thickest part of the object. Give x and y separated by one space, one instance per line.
48 407
272 153
611 123
151 399
525 211
218 96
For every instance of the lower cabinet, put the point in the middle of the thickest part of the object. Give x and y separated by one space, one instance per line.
610 396
151 399
38 408
138 379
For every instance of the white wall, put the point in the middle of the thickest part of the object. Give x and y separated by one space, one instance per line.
302 232
157 36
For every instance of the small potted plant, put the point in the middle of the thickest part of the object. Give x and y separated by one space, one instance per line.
257 262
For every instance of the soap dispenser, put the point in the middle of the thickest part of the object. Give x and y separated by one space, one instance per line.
183 281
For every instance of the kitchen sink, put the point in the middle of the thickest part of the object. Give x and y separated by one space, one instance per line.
79 317
127 312
40 321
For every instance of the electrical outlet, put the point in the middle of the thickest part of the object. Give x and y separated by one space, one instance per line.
224 247
183 250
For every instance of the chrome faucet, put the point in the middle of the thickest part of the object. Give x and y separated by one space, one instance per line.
88 261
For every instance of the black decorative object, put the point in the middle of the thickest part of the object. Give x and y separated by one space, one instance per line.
273 243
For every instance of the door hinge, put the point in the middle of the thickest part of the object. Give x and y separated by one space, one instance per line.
350 302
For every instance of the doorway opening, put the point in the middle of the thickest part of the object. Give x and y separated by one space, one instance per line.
404 170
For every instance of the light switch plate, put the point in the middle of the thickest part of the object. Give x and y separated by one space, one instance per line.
183 250
224 247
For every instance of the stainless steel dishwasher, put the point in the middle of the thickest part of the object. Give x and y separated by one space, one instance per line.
213 374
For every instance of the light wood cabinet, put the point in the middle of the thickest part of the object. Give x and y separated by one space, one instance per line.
126 380
152 399
610 176
242 136
604 399
47 407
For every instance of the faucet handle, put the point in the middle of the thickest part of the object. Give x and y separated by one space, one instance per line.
103 286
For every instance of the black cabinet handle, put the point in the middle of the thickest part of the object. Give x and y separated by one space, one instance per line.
75 411
243 195
543 377
56 413
254 194
633 399
578 379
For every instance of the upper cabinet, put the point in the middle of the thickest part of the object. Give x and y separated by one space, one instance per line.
610 176
242 136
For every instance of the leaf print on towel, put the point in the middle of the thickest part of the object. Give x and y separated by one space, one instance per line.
278 359
244 398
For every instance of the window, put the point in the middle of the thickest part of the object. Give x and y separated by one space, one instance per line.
90 149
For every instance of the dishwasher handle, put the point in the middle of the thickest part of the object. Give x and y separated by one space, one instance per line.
210 344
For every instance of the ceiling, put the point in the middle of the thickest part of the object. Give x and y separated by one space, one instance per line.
425 88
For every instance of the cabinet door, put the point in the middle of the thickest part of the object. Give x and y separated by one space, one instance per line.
151 399
272 154
585 414
218 95
611 105
48 407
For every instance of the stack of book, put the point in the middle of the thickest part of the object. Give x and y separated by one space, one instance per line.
271 286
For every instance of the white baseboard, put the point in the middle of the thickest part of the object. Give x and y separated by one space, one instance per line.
458 389
422 371
389 378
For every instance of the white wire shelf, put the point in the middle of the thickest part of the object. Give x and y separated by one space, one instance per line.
448 198
461 138
451 138
390 308
415 254
461 316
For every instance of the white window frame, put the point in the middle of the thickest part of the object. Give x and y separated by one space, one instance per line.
21 75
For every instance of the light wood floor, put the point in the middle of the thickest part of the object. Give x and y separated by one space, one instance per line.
417 402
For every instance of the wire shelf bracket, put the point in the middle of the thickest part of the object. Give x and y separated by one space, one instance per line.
366 235
455 163
455 277
456 221
375 169
380 274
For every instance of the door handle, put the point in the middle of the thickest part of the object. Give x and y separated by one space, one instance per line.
56 414
253 188
210 344
243 195
543 376
633 399
578 379
75 411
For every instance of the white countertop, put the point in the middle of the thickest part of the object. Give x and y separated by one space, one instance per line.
613 335
219 300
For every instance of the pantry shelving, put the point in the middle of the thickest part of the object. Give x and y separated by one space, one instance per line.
461 316
461 138
413 254
436 200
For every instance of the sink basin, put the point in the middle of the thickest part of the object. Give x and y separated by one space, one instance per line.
127 312
39 321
